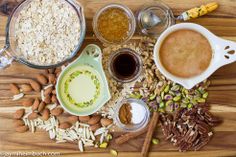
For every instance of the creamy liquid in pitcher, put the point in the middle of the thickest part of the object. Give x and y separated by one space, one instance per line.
185 53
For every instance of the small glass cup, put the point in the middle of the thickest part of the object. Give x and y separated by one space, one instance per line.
145 115
138 66
129 14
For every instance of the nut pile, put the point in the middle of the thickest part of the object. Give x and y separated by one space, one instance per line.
189 129
44 112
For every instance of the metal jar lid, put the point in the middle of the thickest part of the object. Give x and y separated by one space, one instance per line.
159 14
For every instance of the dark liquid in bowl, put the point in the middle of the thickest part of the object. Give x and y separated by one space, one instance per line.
125 65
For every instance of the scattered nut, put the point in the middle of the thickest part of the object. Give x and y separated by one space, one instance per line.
54 91
14 89
19 114
18 122
103 145
33 115
57 111
94 119
113 152
54 99
84 119
47 99
45 114
28 102
41 79
65 125
51 78
95 127
51 71
35 104
48 91
26 88
35 85
105 121
41 106
73 119
22 129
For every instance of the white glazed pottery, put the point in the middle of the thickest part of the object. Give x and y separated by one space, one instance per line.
224 52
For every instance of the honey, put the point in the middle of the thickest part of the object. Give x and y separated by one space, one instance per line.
113 25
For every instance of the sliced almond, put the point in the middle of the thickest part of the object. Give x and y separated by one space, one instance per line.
35 85
41 79
57 111
48 91
18 122
105 121
95 127
84 119
22 129
94 119
26 88
14 89
45 114
35 104
19 114
41 106
33 116
28 102
65 125
73 119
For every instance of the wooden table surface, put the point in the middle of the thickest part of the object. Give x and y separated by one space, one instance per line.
222 91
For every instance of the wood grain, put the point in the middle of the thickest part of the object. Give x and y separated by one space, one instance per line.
222 92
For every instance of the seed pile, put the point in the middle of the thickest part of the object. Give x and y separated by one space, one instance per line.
189 129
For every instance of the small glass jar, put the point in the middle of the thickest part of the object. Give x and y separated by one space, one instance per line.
128 12
137 67
141 116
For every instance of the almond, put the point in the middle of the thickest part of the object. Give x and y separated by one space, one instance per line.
57 70
35 104
95 127
57 74
54 99
18 122
33 115
22 128
47 99
45 114
19 114
35 85
65 125
45 71
41 79
57 111
41 106
84 119
94 119
14 89
26 88
51 71
54 91
48 91
105 121
51 78
73 119
28 102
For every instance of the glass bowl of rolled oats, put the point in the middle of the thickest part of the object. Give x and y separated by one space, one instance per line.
45 34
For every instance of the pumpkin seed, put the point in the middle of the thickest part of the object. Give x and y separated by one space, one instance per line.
113 152
103 145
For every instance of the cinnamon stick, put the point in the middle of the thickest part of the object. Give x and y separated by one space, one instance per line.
128 136
151 129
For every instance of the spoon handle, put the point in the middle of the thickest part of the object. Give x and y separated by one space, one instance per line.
7 6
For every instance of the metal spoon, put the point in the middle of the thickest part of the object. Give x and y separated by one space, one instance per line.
150 20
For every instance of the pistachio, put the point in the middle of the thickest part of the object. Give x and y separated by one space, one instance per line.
113 152
177 98
155 141
201 100
103 145
109 137
152 97
162 105
167 88
205 95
